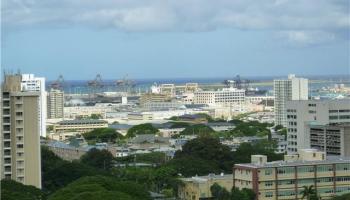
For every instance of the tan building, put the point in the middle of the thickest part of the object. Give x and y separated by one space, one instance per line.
21 159
198 187
55 104
285 179
80 126
154 98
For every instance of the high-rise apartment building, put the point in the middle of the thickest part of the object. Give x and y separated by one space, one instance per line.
301 114
55 104
292 88
20 132
37 84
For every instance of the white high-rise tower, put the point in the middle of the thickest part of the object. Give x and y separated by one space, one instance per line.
292 88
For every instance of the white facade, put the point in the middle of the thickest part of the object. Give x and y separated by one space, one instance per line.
226 96
55 104
303 112
288 89
31 83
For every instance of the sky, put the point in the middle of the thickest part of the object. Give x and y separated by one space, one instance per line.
175 38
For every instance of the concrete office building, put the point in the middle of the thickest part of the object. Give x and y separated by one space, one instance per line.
288 89
321 112
225 97
20 138
286 179
331 139
55 104
37 84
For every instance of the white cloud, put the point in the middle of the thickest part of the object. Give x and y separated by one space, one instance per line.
298 20
307 37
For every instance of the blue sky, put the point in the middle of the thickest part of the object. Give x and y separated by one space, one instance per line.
167 39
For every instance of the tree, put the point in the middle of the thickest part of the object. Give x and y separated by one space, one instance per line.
101 187
208 149
12 190
278 127
179 125
263 147
251 128
197 129
95 116
191 166
219 193
102 135
102 159
309 193
141 129
342 197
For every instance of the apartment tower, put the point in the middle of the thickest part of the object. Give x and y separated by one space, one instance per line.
292 88
55 104
20 132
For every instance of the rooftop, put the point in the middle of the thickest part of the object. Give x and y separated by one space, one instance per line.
82 121
329 160
202 179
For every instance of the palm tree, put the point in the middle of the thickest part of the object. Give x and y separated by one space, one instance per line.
308 192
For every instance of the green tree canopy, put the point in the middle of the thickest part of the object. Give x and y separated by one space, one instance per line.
263 147
197 129
251 128
209 149
102 159
12 190
142 129
101 187
220 193
179 125
102 135
342 197
57 173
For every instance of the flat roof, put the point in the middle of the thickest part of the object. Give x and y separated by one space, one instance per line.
208 177
330 160
82 121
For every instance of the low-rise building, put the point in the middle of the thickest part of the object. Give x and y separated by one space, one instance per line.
65 151
286 179
79 125
198 187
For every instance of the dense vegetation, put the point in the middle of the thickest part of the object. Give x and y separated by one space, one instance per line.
157 158
197 129
101 159
142 129
109 135
220 193
12 190
101 187
88 179
251 128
